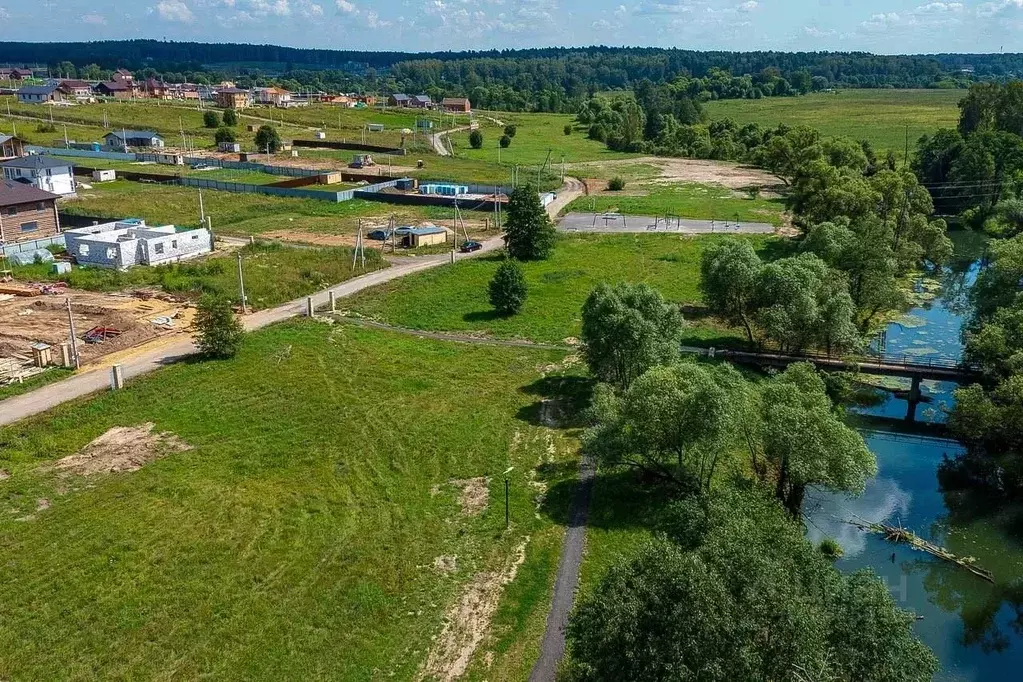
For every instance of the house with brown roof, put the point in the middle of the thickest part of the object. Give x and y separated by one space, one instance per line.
11 147
233 98
26 213
156 89
75 89
115 89
458 105
122 76
15 74
274 97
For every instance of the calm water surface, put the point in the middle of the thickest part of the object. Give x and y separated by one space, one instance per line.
975 628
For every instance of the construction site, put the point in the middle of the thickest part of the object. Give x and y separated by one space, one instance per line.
36 323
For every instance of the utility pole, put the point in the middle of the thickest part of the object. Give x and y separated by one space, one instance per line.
241 285
74 338
202 212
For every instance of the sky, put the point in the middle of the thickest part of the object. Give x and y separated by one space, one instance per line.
881 26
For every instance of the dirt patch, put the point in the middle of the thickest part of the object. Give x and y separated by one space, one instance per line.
42 503
446 564
474 494
732 175
121 449
468 621
4 474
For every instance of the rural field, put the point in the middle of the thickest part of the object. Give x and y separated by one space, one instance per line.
880 116
455 298
317 503
300 220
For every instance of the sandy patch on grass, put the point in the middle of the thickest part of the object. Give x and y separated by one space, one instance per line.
4 474
474 494
446 563
468 621
730 175
121 449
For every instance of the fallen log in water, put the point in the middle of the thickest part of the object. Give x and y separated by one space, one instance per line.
904 536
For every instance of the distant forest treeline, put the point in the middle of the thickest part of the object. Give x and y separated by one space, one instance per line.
545 79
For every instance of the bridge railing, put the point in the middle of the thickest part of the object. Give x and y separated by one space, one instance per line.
904 360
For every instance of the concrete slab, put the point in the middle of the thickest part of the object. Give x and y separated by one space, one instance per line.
634 224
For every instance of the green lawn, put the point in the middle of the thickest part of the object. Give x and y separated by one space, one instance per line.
243 214
455 298
703 202
881 116
297 538
274 274
221 174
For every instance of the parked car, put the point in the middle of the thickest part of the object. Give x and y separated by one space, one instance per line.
469 247
379 235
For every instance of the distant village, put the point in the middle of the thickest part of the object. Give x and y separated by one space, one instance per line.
124 86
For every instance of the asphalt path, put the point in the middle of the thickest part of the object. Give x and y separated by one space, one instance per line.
630 224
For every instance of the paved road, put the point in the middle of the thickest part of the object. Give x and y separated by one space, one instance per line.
596 222
438 140
552 648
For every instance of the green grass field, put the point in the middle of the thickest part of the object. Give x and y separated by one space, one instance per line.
881 116
221 174
297 538
244 214
274 274
455 298
702 202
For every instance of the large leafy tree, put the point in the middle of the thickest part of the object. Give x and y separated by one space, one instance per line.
529 232
626 330
729 271
735 592
671 422
802 440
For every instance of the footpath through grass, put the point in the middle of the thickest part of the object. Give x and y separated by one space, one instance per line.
274 274
701 202
455 298
881 116
297 538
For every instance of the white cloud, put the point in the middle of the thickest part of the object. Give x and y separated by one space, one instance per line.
174 10
94 19
4 14
815 32
347 7
601 25
990 9
654 8
620 11
748 6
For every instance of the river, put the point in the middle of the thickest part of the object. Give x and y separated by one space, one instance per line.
975 628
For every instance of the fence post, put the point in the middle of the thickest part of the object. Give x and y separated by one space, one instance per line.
310 309
116 378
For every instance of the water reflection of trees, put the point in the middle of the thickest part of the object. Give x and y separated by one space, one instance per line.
960 273
986 530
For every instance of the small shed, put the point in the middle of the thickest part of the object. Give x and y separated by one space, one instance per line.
426 236
375 127
104 175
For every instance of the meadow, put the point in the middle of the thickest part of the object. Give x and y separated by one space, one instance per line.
246 214
274 274
881 116
701 202
298 537
455 298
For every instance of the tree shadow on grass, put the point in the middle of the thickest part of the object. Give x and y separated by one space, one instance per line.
622 499
483 316
563 402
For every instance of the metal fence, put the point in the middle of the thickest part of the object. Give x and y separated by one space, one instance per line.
21 247
88 153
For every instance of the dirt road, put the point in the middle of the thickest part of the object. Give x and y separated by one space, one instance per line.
438 140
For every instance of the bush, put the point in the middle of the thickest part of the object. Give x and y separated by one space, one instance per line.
230 117
508 288
616 184
217 333
568 129
476 139
267 139
211 120
830 548
510 130
529 233
224 135
505 142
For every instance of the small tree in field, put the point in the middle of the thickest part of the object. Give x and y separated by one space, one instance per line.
230 117
568 129
217 333
476 139
616 184
267 139
224 135
529 232
510 130
211 120
505 142
508 288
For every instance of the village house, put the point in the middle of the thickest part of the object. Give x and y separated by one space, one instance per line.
155 89
453 105
15 74
26 213
42 172
399 99
75 89
126 243
365 100
40 94
233 98
274 97
11 147
115 89
421 102
132 138
122 76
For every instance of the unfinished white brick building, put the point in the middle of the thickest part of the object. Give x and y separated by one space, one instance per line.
127 243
